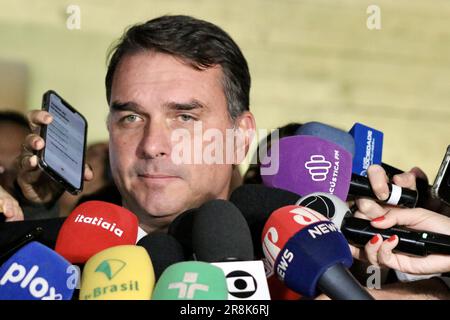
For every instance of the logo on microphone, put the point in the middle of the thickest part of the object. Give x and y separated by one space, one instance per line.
321 204
318 167
188 286
101 223
38 287
110 267
283 264
270 249
241 284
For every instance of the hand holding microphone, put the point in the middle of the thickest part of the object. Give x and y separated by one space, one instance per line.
381 252
368 208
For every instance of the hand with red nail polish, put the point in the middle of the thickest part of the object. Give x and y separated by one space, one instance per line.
382 252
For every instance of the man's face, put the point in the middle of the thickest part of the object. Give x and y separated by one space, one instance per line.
152 95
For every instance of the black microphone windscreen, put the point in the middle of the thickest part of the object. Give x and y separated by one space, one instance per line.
220 233
257 202
163 249
181 230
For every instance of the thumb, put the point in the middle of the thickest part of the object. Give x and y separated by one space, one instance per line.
418 173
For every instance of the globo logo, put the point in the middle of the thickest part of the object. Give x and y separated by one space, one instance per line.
38 287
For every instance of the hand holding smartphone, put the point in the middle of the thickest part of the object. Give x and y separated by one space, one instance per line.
63 156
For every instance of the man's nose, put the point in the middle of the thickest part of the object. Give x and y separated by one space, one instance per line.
155 140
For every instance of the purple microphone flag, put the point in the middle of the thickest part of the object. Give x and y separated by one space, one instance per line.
308 164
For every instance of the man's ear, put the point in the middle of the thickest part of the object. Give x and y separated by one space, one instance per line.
245 130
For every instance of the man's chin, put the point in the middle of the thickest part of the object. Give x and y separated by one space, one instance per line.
163 214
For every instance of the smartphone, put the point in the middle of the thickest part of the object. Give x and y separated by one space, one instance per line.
33 235
441 185
65 143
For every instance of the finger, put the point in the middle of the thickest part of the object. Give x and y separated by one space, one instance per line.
378 180
371 248
322 297
369 209
416 218
33 142
7 209
405 180
88 173
357 253
16 212
417 172
36 118
28 163
401 217
385 255
3 210
2 169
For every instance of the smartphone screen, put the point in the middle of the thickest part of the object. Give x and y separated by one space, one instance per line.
65 141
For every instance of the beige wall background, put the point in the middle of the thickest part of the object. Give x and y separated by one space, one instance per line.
309 60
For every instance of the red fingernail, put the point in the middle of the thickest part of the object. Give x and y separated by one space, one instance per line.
378 219
374 239
392 238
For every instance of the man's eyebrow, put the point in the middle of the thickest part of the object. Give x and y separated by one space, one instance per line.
191 105
117 106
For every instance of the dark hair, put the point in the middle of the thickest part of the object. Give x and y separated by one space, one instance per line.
199 43
14 117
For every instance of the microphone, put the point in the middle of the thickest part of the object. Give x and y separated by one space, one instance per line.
329 133
191 280
310 164
181 229
94 226
36 272
368 147
163 249
309 253
246 280
360 231
220 233
124 272
257 202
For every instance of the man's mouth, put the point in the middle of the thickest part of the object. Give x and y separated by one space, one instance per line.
157 176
